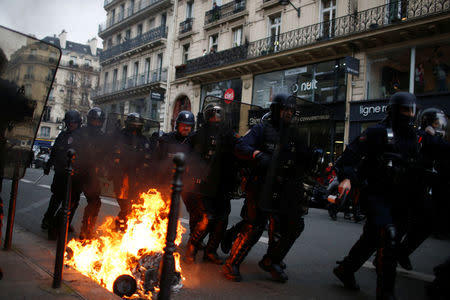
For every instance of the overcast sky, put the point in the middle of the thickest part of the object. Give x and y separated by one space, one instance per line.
80 18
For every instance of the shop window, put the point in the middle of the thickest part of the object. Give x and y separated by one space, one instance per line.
431 74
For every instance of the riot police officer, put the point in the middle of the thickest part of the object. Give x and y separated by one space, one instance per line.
214 144
424 212
273 191
88 142
58 159
131 151
390 151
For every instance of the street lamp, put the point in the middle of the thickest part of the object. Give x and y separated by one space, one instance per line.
286 2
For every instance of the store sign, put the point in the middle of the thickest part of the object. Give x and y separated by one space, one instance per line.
229 95
156 96
351 65
295 71
366 110
304 86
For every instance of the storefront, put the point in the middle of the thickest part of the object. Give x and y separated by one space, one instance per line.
324 83
231 89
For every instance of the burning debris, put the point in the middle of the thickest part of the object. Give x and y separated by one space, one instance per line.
128 263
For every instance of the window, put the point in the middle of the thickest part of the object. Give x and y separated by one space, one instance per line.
122 11
131 7
135 72
185 53
147 69
118 39
151 23
50 95
113 108
45 131
114 83
274 32
113 16
128 34
109 43
139 30
159 64
71 77
237 37
69 97
124 76
163 20
28 90
328 15
105 82
84 99
213 43
189 6
46 114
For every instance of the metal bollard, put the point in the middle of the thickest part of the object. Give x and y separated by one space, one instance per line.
11 209
64 224
168 262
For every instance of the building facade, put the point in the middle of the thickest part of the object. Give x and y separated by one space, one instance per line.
342 54
135 57
75 79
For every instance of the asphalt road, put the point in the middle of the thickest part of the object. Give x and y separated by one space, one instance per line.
310 261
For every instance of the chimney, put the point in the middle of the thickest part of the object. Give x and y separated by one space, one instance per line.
93 45
62 39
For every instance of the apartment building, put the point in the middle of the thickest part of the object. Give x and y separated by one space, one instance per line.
349 55
75 79
135 57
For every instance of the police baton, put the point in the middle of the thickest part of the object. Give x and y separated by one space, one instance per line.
63 223
168 262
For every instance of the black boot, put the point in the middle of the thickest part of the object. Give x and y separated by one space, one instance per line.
87 227
215 236
276 270
246 239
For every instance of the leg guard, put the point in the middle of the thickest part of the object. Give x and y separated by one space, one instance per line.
386 262
248 237
230 236
216 233
199 233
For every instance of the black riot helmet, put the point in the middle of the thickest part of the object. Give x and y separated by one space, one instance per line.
435 118
281 102
212 113
72 116
95 117
402 109
134 122
185 117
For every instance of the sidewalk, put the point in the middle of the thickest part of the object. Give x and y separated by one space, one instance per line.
28 272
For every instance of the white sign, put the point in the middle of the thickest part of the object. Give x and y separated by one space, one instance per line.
375 109
295 71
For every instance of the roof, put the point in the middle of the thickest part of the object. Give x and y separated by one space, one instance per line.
71 46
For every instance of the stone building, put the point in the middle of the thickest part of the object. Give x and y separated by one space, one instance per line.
349 55
135 58
75 79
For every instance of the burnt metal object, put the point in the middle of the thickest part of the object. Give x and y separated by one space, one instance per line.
125 285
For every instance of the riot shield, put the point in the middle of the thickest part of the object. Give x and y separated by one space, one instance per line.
27 69
126 164
297 155
216 168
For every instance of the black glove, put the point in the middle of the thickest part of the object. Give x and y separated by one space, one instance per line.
46 170
263 160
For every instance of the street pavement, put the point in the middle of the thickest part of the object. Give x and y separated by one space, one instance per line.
28 266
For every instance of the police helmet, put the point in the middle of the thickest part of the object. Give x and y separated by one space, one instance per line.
434 117
185 117
72 116
281 101
95 114
134 121
212 110
397 103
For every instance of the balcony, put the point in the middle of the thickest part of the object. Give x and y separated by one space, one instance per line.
186 26
131 83
148 39
396 22
224 12
121 20
213 60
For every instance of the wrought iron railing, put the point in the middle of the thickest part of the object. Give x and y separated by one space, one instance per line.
186 25
367 20
153 76
106 2
149 36
223 11
213 60
381 16
138 7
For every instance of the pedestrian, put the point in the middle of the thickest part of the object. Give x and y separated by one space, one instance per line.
58 160
280 159
390 151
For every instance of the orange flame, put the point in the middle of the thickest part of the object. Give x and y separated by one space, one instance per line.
124 189
112 254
